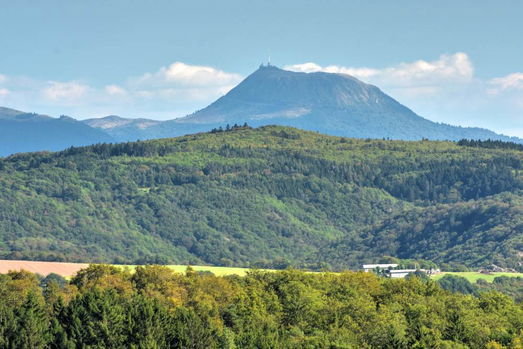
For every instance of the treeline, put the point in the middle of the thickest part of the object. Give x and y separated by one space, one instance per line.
229 128
106 307
489 143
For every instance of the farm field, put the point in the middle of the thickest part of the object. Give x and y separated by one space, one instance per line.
69 269
473 276
42 268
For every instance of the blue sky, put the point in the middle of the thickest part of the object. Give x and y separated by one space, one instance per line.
458 62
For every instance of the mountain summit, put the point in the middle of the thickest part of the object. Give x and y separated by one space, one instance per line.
336 104
271 93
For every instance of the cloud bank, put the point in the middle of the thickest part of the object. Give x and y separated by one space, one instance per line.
171 91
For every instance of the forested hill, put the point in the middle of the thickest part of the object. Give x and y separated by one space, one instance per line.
24 132
271 197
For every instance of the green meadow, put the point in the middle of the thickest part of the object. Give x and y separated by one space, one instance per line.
473 276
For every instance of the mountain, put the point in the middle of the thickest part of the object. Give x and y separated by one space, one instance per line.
334 104
25 132
123 129
271 197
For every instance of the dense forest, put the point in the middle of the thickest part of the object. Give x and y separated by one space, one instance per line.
107 307
268 197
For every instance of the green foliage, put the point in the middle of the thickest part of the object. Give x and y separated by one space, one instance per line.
510 286
288 309
490 143
455 283
268 197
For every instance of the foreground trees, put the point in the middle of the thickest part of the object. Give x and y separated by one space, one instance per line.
105 307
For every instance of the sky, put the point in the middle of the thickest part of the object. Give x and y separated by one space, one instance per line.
457 62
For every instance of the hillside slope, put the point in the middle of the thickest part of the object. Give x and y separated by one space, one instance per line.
477 232
271 197
24 132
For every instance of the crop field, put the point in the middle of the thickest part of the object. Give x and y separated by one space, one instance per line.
475 276
42 268
69 269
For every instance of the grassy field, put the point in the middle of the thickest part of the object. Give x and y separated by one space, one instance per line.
475 276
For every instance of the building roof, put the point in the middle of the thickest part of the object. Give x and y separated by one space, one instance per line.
374 266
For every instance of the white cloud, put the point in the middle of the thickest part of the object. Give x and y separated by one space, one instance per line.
181 74
64 91
508 82
182 84
115 90
455 68
174 90
309 67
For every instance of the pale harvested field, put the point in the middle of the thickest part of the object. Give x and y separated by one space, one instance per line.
42 268
70 269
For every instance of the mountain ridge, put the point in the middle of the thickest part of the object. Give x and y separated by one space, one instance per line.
26 132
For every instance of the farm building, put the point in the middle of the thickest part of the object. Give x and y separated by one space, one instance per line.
372 267
401 273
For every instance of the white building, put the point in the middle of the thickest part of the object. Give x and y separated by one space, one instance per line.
400 273
372 267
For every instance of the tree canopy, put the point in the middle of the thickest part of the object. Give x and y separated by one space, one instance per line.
268 197
107 307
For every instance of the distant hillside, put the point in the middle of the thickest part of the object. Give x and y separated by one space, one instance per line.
334 104
25 132
477 232
271 197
